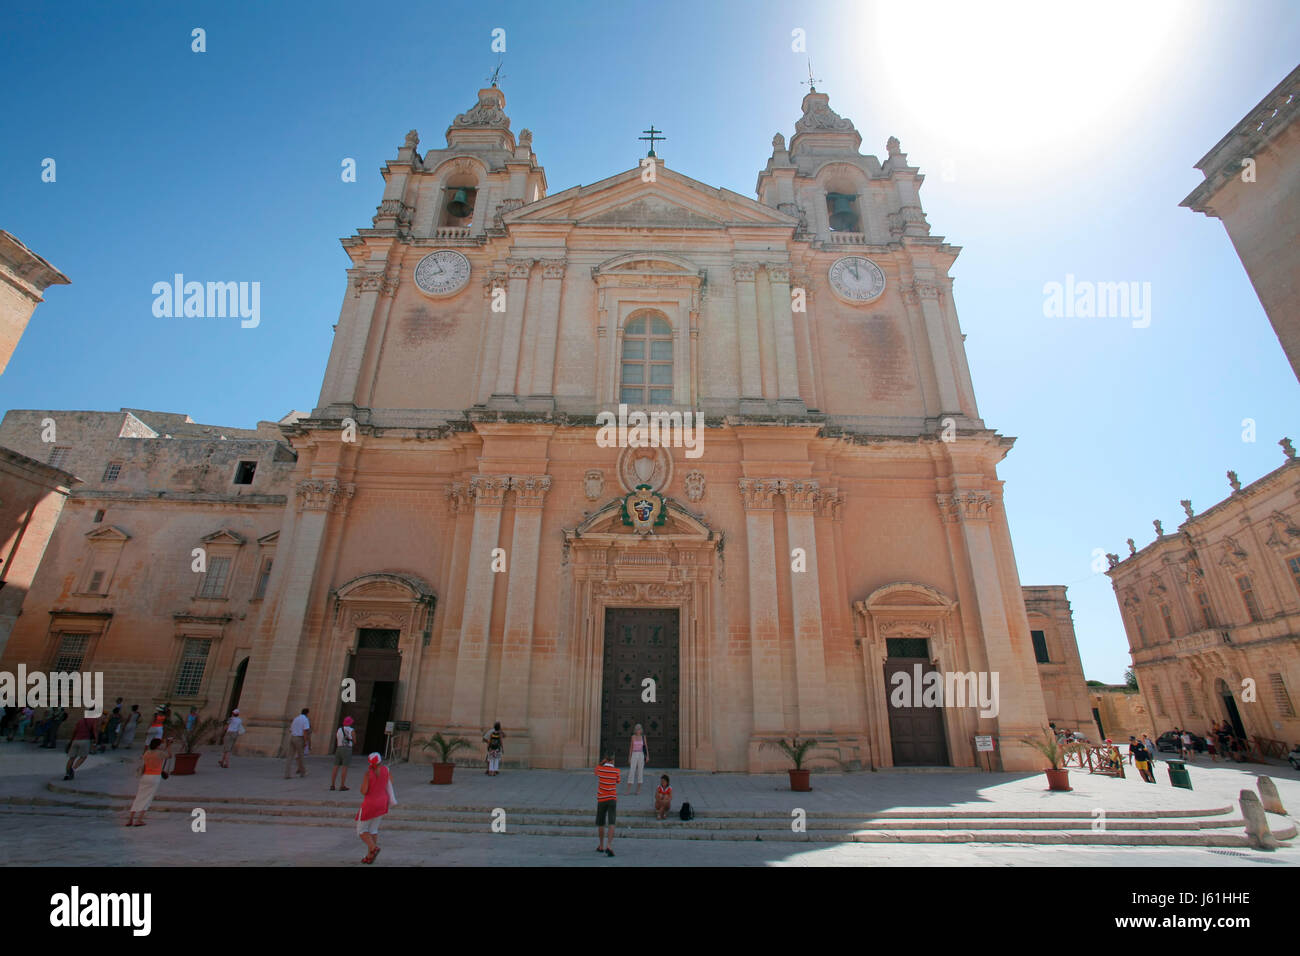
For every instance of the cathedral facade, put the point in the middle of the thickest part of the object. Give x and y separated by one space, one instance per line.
648 451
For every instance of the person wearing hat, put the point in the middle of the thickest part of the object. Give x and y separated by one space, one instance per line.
234 729
344 737
376 797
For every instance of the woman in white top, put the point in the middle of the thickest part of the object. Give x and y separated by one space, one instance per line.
640 753
234 730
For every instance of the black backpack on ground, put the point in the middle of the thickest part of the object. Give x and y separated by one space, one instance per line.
686 813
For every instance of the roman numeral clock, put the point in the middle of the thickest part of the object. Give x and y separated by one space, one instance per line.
442 273
857 279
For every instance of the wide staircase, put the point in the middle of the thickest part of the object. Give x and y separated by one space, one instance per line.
1208 826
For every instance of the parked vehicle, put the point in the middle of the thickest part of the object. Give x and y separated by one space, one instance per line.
1170 742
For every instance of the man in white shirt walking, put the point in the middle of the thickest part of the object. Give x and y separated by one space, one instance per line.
299 743
234 729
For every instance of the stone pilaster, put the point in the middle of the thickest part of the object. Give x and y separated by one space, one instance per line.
801 498
513 329
521 600
787 371
926 295
764 623
471 660
751 371
493 330
548 329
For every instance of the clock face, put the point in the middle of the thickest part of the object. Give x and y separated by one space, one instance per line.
857 279
442 273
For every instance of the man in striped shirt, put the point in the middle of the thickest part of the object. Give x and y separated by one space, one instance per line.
607 777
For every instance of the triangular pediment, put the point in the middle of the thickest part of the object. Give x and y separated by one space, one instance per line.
223 536
672 201
108 533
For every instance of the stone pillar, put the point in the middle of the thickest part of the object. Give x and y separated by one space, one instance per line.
521 600
1021 712
927 295
548 329
803 335
751 374
493 326
787 371
471 658
1268 795
805 594
764 624
317 499
513 329
344 373
1257 829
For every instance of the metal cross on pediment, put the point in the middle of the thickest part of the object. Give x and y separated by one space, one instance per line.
653 137
810 81
496 75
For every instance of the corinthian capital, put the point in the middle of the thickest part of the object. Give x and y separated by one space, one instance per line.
800 495
756 493
530 490
742 273
489 490
316 494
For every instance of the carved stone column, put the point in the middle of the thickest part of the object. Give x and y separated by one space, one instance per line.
548 329
471 659
280 667
764 623
513 329
787 371
521 600
493 328
926 295
751 372
805 594
804 337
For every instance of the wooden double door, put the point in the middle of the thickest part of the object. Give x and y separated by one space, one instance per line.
641 643
376 666
916 734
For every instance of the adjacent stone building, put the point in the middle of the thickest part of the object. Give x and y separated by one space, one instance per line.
1060 669
1212 612
24 277
477 522
1252 184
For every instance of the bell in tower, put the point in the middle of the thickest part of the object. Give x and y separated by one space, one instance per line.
843 218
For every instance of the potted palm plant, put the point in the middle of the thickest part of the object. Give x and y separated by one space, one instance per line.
190 737
1057 777
796 750
445 747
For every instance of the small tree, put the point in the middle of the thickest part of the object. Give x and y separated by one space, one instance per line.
1130 679
796 749
191 737
445 746
1049 747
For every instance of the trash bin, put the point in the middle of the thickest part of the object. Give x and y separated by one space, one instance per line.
1178 775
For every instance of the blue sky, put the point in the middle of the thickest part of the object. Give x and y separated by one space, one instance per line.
1054 143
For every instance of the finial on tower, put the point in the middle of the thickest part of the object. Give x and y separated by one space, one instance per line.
496 75
653 137
810 82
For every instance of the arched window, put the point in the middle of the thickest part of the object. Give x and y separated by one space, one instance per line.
647 373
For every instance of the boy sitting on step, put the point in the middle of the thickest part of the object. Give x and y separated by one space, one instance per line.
663 797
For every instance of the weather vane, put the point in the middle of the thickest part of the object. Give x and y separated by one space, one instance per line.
496 74
810 81
653 137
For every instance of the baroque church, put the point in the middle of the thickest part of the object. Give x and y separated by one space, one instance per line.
452 531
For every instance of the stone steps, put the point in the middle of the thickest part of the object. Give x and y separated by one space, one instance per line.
1212 826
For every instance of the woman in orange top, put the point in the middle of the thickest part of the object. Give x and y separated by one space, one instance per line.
151 774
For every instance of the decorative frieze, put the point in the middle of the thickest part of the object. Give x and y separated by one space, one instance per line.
316 494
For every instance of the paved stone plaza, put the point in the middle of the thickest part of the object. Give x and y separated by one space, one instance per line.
80 823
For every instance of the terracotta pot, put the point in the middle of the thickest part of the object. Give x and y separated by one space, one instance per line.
1058 779
799 781
183 764
442 772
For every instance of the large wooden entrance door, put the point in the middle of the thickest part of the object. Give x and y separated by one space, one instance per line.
376 667
640 643
915 733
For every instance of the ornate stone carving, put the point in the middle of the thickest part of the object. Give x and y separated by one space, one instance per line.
645 466
614 589
553 268
1160 530
1112 560
778 141
520 268
1132 548
742 273
1234 482
458 497
948 509
493 281
593 483
756 493
893 147
778 273
530 490
909 221
412 139
965 505
1284 529
487 112
1287 448
830 503
526 138
920 289
383 619
800 495
368 282
1187 507
1156 588
906 629
694 483
1233 555
489 490
817 114
315 494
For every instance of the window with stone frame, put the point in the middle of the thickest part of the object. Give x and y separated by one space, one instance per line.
1040 646
1189 700
194 661
1168 620
1280 696
96 583
646 376
71 653
1207 612
215 578
111 471
1160 699
59 456
1248 597
1142 631
1293 565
